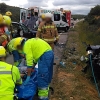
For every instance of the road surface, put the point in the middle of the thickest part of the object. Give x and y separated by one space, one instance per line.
58 51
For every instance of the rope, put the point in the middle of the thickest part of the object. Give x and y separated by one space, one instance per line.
94 75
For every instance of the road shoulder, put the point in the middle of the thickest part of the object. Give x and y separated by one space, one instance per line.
69 82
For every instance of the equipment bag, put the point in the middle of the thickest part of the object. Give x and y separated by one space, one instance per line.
27 92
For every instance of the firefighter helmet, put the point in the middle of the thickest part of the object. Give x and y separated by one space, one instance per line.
8 13
7 20
1 19
43 16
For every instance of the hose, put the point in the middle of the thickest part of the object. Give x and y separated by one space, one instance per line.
94 75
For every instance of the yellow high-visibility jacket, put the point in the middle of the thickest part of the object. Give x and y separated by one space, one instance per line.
33 49
9 76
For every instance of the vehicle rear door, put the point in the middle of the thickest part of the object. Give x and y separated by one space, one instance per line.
23 15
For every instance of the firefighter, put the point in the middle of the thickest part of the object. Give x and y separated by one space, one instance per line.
12 48
38 51
48 31
8 21
8 13
9 76
3 32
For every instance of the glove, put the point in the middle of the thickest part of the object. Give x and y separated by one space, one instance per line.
27 80
56 42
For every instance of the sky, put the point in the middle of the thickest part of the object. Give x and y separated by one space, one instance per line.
76 6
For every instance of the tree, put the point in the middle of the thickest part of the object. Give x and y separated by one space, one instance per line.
93 17
95 11
3 8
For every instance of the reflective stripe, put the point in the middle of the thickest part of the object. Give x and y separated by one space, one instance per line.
19 80
5 72
55 28
43 97
4 36
57 37
51 26
43 92
43 88
39 29
49 40
47 27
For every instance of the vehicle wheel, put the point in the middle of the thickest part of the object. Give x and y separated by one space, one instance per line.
66 29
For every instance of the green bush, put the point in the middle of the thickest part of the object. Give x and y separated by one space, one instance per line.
90 29
88 33
91 17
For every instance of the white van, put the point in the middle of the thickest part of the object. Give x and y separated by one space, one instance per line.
58 18
60 22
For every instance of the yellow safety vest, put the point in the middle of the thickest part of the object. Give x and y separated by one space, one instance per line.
34 48
8 80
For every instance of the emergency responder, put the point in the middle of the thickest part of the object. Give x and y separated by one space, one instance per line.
12 48
48 31
3 32
9 76
8 13
38 51
8 21
30 23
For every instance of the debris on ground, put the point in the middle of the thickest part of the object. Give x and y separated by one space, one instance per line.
69 82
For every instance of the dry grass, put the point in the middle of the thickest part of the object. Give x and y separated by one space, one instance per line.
70 83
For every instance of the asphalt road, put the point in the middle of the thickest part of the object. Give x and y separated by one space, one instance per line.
58 51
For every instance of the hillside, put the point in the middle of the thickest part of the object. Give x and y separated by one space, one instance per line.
15 11
90 29
77 16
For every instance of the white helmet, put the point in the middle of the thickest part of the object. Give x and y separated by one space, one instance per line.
48 15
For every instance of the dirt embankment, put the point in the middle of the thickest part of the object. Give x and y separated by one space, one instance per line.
69 82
